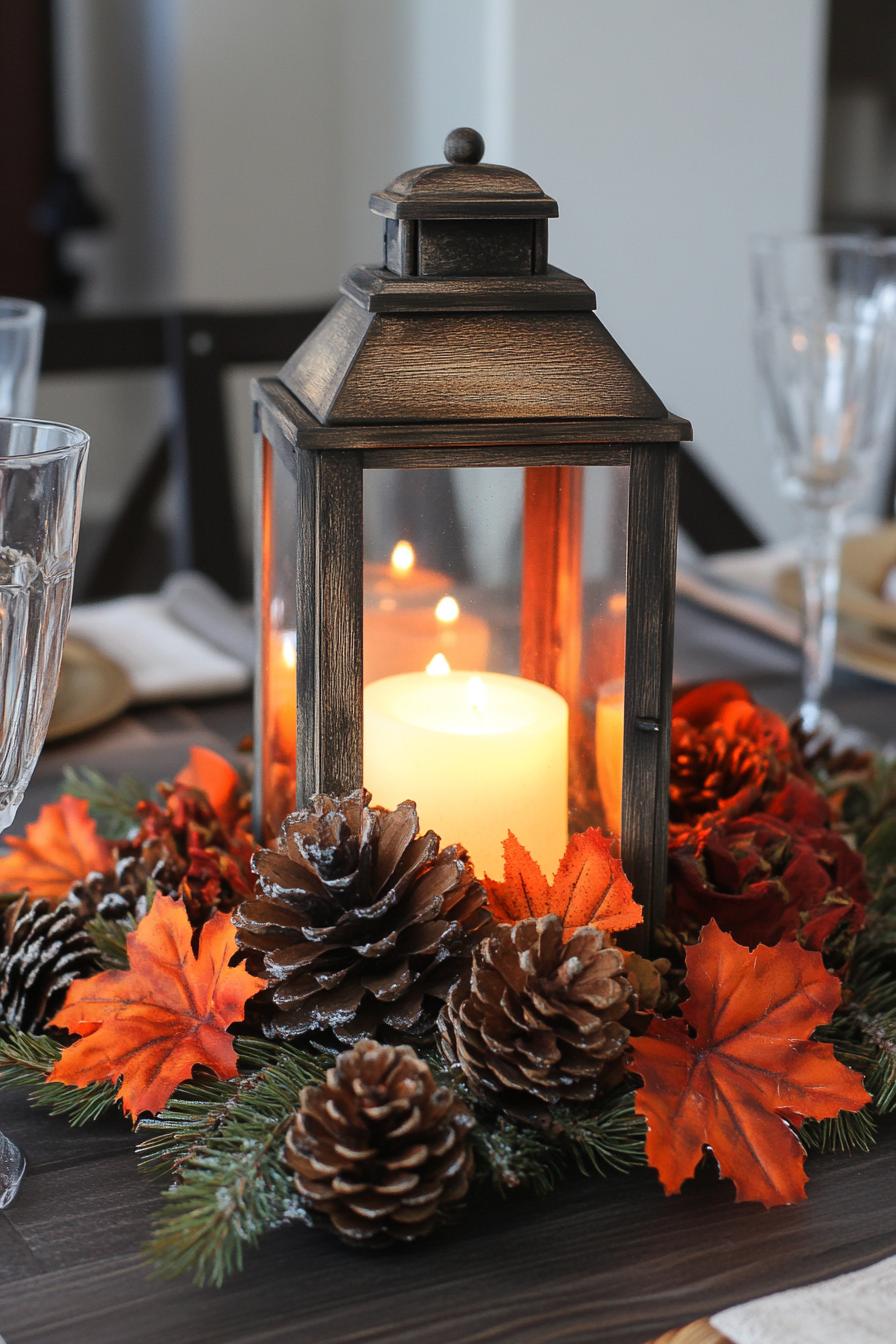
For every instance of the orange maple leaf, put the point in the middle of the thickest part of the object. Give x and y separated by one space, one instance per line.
738 1072
148 1027
60 848
214 776
589 887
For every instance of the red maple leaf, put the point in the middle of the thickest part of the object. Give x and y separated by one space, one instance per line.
211 774
60 848
590 887
738 1071
147 1027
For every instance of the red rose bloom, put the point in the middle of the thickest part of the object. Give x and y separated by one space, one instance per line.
762 878
728 755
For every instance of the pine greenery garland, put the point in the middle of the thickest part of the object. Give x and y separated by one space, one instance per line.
224 1144
221 1143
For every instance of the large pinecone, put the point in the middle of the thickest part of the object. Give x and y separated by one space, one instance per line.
43 949
536 1021
358 923
379 1148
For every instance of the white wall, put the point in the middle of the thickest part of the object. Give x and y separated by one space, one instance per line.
671 133
668 132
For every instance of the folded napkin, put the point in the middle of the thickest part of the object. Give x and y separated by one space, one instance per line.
851 1309
189 641
741 584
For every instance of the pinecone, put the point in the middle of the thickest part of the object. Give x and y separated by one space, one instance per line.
359 924
536 1021
119 893
43 950
820 753
379 1148
649 979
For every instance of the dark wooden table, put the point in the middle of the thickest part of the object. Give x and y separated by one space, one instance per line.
600 1262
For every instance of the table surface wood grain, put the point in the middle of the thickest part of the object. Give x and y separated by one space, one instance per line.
608 1261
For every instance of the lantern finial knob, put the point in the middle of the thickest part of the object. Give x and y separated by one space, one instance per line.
464 145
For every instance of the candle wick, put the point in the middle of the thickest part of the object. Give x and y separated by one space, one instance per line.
477 695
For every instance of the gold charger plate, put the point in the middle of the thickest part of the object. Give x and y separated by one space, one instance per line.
92 690
698 1332
866 640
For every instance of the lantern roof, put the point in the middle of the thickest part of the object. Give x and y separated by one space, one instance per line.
462 187
464 320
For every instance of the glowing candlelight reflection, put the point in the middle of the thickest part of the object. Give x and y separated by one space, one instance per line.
403 558
447 610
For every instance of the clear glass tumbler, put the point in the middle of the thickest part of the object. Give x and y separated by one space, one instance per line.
21 336
825 344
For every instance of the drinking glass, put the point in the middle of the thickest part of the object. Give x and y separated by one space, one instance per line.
825 343
41 482
42 470
21 335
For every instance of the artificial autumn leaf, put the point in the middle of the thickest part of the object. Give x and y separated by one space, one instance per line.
148 1027
589 888
211 774
738 1071
60 848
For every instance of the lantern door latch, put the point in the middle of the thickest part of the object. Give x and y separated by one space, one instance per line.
647 725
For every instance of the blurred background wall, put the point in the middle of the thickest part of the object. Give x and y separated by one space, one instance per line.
233 146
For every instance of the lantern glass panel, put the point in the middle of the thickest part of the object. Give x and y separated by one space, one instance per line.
494 651
276 605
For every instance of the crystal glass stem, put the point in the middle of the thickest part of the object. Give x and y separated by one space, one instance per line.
821 542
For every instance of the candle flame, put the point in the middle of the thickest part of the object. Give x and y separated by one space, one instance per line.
447 610
289 650
477 695
438 666
403 558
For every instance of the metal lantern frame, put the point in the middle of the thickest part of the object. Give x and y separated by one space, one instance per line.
466 349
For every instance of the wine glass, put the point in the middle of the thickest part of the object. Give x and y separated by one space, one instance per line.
21 336
825 343
42 470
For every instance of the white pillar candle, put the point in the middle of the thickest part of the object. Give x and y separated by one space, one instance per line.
479 753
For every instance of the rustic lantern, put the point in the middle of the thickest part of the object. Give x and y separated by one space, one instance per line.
468 502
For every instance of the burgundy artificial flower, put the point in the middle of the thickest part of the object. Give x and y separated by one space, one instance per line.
729 755
764 877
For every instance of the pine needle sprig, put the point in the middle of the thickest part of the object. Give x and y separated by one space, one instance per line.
514 1157
608 1139
113 805
25 1061
109 937
227 1152
848 1132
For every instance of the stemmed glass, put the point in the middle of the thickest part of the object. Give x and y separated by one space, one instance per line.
42 469
825 342
21 336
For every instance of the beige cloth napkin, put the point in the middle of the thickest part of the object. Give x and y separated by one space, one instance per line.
741 584
189 641
858 1308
